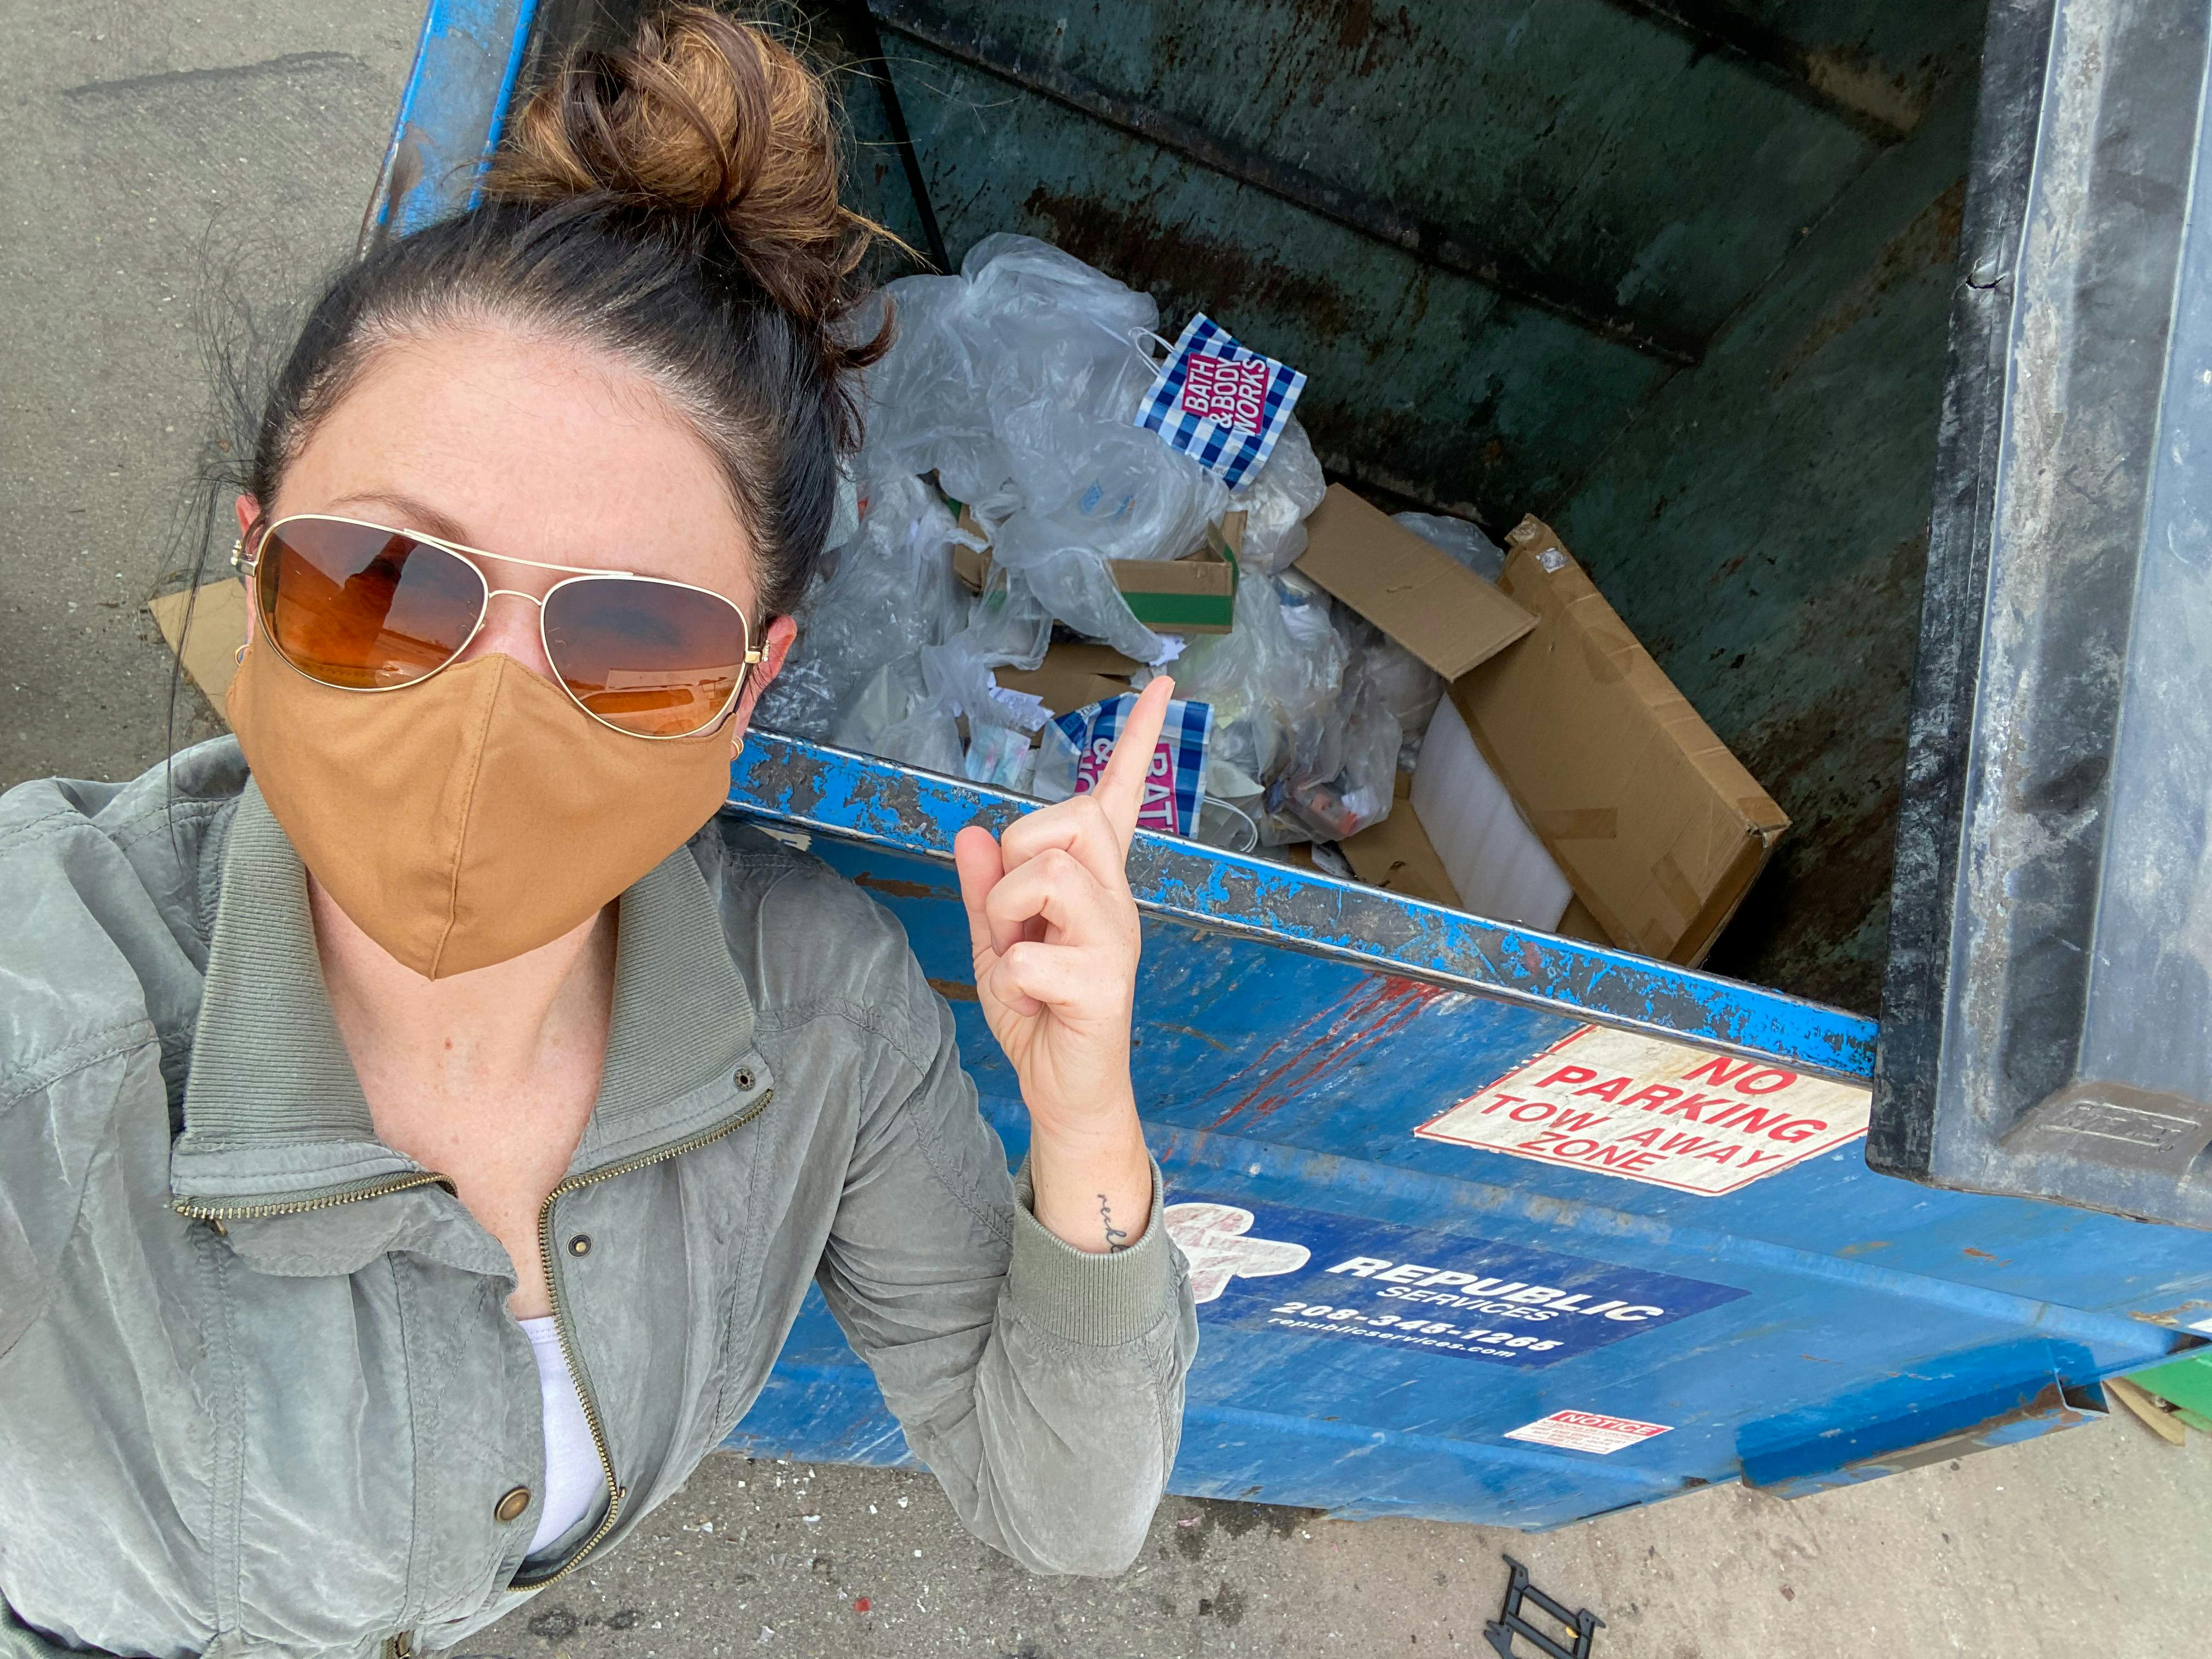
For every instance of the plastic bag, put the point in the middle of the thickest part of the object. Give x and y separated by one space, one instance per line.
1411 688
1273 682
923 402
1312 718
1276 500
844 508
1001 755
1051 327
1022 324
1016 382
802 699
895 717
1094 490
1073 584
1008 625
1459 538
890 593
1361 790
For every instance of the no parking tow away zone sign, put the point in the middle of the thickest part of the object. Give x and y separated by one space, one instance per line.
1647 1110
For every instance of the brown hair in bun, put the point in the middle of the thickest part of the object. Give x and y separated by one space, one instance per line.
707 116
677 204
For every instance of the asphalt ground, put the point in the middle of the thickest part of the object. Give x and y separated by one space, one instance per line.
174 163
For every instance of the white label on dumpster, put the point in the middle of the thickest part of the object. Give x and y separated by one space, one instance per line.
1587 1432
1652 1110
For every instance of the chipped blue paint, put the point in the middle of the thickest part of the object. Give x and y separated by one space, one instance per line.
1292 1030
889 806
453 110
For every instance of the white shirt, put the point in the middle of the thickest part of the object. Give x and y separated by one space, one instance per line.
573 1479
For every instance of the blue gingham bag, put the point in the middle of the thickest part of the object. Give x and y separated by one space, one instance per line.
1221 403
1175 783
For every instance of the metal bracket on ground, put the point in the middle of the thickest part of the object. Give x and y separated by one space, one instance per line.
1580 1624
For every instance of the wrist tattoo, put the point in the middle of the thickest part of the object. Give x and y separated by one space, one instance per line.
1116 1238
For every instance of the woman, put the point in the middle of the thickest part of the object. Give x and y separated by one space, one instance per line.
421 1118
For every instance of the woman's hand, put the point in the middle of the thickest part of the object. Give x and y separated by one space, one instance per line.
1056 937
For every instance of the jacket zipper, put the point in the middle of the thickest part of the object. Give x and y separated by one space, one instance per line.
219 1214
616 1492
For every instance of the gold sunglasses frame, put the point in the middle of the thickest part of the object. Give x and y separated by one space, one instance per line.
248 564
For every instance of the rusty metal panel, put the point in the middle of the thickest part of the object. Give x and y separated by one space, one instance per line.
1421 382
1622 167
1887 60
1763 528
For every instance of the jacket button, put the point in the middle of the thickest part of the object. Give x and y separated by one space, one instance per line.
580 1244
745 1077
513 1505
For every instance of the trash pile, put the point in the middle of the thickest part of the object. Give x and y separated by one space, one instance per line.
1053 503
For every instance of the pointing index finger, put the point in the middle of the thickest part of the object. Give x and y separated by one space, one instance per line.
1121 787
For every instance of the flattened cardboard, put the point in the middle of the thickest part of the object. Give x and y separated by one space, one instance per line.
972 565
1659 827
1579 923
1410 589
1396 856
218 625
1193 594
1073 675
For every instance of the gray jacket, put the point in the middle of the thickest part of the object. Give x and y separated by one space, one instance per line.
260 1391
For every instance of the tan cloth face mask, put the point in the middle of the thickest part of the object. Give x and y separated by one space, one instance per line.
473 817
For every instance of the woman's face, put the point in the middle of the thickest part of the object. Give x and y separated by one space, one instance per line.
537 450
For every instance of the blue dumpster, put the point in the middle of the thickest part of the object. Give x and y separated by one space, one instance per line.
1494 1226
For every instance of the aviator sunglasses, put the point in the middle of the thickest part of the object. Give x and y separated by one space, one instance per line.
363 607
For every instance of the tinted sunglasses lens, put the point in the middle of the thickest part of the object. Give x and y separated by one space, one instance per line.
651 657
353 605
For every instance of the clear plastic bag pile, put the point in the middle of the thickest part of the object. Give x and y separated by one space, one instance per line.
1012 389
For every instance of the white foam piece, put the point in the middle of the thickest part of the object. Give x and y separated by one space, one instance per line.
1497 863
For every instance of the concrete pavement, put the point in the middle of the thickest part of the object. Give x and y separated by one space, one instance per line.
2090 1542
161 161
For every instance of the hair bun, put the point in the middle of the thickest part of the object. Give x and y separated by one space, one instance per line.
705 117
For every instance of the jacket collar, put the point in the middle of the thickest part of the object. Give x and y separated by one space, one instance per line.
274 1115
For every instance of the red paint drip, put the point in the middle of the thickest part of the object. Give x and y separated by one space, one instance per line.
1388 1004
862 1605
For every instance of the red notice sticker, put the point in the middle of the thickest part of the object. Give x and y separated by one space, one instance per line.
1587 1432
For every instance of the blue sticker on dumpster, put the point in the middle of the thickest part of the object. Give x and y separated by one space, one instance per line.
1270 1267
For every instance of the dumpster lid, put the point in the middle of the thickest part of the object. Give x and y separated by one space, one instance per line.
2047 1026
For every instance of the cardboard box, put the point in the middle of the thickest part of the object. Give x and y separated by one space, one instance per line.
218 628
972 565
1410 589
1579 923
1659 827
1397 855
1193 594
1074 675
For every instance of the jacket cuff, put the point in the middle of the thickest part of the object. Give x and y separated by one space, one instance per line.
1099 1299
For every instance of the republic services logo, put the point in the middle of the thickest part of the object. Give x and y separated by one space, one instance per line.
1216 1240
